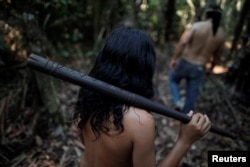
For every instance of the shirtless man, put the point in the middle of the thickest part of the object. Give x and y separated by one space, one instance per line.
204 42
119 135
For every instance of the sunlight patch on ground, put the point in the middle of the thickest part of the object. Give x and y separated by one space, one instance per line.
228 45
219 69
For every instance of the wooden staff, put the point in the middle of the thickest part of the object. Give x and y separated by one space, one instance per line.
54 69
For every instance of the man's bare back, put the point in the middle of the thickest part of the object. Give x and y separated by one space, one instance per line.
201 44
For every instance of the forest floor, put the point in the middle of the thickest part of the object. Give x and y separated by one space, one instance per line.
63 148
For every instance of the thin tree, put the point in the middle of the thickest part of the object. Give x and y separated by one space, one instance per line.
238 29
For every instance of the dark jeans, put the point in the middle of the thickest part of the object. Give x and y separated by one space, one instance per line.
193 74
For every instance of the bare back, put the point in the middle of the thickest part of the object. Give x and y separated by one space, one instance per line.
201 44
116 149
135 147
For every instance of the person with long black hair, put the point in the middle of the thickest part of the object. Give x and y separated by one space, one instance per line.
119 135
202 43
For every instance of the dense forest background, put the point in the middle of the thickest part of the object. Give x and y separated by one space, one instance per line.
35 109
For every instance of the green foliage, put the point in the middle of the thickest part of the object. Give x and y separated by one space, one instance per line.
99 43
64 15
72 22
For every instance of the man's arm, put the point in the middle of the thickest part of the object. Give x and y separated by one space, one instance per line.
180 47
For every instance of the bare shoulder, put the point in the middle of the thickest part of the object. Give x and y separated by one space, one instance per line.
198 25
137 113
139 117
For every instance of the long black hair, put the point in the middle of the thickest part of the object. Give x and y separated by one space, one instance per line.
214 12
127 61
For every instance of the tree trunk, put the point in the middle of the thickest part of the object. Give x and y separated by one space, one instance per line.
96 20
39 44
241 69
240 24
169 16
191 5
